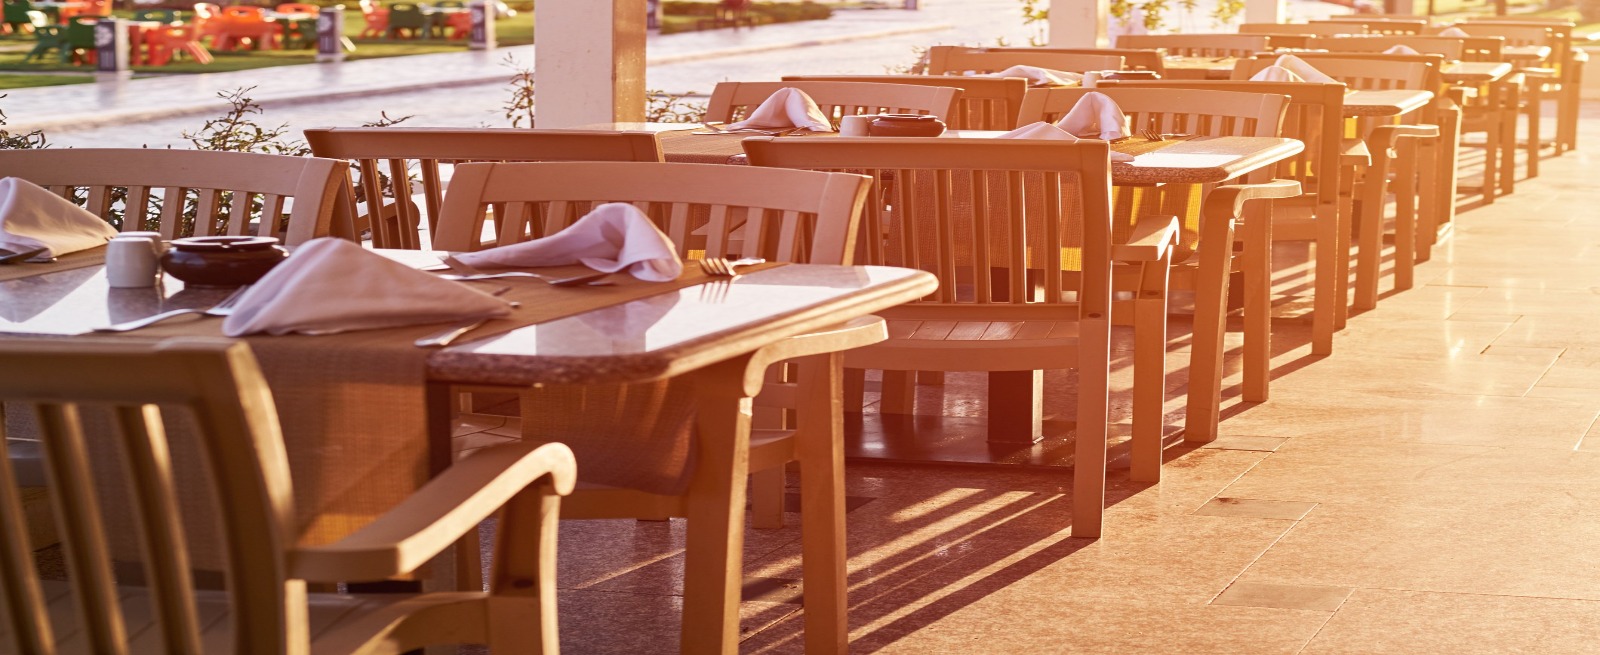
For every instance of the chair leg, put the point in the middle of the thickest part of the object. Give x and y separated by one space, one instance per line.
1149 372
1326 289
1089 449
1341 280
1535 127
522 602
1405 214
1257 301
1210 324
899 392
1369 253
767 489
822 531
855 389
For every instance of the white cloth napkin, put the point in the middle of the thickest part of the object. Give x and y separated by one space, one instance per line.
31 218
1095 116
1454 32
1037 76
332 285
1050 132
613 237
1276 74
1401 49
1306 71
786 107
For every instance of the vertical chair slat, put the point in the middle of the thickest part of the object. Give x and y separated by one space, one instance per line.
789 245
99 200
405 220
555 218
1017 277
432 191
144 448
25 616
172 203
717 232
1053 241
373 190
239 215
514 227
678 224
905 180
981 236
77 514
138 206
271 208
946 246
205 216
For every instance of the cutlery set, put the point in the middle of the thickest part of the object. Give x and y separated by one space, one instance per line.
34 256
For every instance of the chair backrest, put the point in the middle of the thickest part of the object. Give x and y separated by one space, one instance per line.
390 161
1198 45
984 103
1171 111
717 210
1308 29
80 31
1361 70
1515 34
1387 26
16 11
193 192
406 15
1314 114
954 60
1560 39
219 384
1450 48
735 100
978 214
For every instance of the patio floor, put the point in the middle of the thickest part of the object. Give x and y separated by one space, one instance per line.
1426 489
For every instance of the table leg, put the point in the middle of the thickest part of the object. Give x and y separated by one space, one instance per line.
820 448
1257 301
1210 323
715 549
1405 214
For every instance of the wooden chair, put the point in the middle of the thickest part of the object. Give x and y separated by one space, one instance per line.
731 101
1567 64
241 26
1197 45
1450 48
1321 214
983 103
960 209
1132 58
713 211
1393 147
266 607
392 161
1206 270
228 193
955 60
1549 77
376 19
167 42
408 19
1308 29
1384 26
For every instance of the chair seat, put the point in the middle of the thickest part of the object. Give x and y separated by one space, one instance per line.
1355 153
956 345
330 614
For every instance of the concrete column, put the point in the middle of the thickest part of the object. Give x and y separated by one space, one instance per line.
1265 11
589 61
1078 23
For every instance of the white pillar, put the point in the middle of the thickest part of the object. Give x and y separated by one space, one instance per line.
589 61
1078 23
1265 11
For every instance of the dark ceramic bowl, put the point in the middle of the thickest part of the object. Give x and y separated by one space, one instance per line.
222 261
905 125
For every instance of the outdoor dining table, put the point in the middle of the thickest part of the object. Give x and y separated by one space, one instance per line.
1199 68
1525 54
1188 161
696 329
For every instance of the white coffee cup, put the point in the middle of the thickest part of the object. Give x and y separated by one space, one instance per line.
154 237
1090 79
854 125
131 263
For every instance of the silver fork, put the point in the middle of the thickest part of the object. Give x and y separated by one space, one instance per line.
223 308
1153 135
721 267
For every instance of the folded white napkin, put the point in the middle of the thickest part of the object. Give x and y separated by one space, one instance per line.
1050 132
1276 74
332 285
613 237
1037 76
786 107
1401 49
31 218
1306 71
1454 32
1095 116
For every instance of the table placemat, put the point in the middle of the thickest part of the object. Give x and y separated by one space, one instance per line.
65 262
684 147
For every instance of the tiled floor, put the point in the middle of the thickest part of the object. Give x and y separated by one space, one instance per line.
1429 488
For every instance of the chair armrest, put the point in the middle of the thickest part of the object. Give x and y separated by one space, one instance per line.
1153 237
437 515
1382 137
1538 72
1227 202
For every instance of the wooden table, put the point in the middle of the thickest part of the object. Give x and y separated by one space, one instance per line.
1371 103
1205 160
1199 68
704 333
1474 72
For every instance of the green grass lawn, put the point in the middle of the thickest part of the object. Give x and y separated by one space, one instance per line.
517 30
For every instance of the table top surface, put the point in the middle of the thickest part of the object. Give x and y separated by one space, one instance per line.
1384 102
1201 160
1475 71
653 337
1525 52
